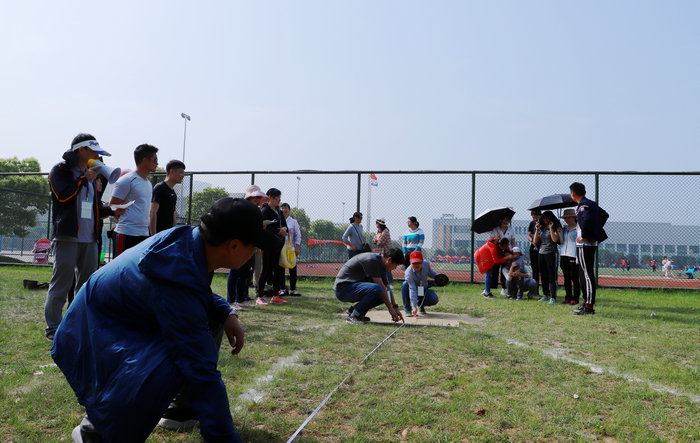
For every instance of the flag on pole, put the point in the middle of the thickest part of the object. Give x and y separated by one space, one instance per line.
373 180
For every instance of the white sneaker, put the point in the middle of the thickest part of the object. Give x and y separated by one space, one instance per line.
503 292
244 305
236 306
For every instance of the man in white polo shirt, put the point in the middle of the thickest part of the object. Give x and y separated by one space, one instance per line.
132 227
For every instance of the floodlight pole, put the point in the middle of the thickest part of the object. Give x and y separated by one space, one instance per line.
184 139
298 182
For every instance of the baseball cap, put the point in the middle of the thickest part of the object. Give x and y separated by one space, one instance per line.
235 218
91 144
516 250
416 257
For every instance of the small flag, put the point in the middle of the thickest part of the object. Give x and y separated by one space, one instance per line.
373 180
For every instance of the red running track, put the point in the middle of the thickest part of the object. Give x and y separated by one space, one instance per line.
649 281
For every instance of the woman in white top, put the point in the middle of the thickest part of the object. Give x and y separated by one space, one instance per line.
504 230
567 261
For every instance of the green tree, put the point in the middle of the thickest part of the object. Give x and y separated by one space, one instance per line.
300 216
202 201
22 197
324 230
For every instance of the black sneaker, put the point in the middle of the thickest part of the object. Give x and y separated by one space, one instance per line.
85 432
294 293
363 319
585 311
179 419
50 336
350 310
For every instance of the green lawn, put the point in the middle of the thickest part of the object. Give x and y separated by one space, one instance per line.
496 380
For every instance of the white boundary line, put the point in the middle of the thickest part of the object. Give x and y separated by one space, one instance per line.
561 355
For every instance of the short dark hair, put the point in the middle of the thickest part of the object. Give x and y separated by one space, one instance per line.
273 192
503 240
414 221
285 205
174 164
578 188
396 255
229 219
81 138
144 151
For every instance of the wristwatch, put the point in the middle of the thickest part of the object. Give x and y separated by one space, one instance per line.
234 312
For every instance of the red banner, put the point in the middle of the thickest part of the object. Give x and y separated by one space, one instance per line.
312 241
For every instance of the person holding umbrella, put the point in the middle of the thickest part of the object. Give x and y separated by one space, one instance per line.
503 230
547 236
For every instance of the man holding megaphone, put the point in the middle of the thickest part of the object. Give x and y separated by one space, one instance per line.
76 211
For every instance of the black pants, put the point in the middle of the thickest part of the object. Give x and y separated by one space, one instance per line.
535 264
123 242
271 271
548 271
571 281
586 257
292 278
496 275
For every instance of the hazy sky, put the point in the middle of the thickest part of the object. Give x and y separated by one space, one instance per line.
456 85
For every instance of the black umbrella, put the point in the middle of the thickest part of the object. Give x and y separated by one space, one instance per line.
491 218
554 201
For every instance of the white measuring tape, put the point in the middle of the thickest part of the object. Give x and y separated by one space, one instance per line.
318 408
340 384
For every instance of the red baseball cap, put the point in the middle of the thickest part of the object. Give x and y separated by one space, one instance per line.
416 257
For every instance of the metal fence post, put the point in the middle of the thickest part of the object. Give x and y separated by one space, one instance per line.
189 201
48 222
471 259
252 178
359 180
597 187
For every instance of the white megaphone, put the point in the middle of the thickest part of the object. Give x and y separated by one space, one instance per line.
111 174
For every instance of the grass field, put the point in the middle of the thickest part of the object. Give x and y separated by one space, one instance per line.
526 372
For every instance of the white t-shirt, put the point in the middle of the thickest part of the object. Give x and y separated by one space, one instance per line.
508 234
131 187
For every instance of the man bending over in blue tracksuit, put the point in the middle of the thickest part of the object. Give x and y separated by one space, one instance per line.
140 329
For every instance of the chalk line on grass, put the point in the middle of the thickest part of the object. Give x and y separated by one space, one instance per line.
560 354
256 394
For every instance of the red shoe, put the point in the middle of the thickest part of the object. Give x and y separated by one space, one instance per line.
277 299
261 302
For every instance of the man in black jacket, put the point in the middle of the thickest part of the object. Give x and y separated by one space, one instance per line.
590 219
76 214
276 225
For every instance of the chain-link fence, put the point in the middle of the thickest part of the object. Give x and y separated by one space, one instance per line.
652 215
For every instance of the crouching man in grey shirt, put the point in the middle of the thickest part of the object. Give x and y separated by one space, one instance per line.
361 281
